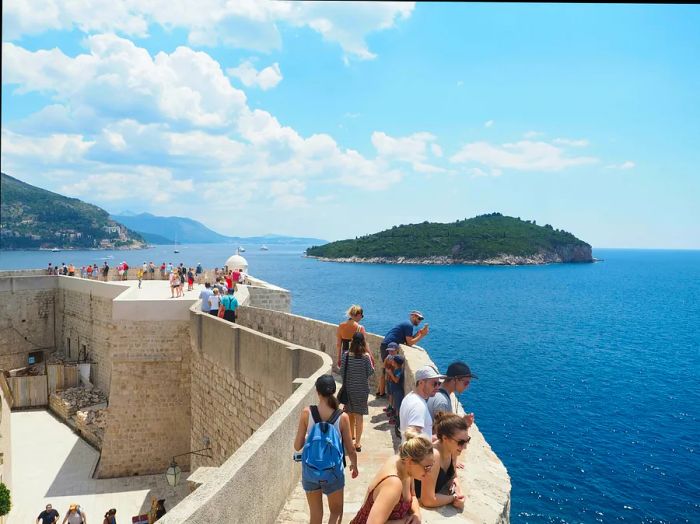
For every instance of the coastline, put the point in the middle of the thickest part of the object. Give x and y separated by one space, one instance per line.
502 260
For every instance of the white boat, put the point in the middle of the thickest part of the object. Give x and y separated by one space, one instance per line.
55 250
264 248
241 249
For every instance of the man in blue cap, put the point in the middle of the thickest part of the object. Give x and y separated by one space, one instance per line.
401 334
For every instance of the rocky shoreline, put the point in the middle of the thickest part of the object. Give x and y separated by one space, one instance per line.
501 260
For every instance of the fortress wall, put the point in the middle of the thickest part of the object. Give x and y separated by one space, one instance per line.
149 402
84 325
27 313
484 479
273 380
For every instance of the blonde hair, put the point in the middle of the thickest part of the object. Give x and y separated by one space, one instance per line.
216 291
354 310
416 446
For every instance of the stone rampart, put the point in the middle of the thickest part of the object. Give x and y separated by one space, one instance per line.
484 479
252 484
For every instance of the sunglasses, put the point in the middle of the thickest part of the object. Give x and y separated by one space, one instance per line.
461 443
425 468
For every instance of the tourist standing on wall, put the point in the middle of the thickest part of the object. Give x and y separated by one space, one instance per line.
356 368
75 515
347 329
326 411
229 303
414 413
452 439
401 334
110 517
391 496
458 378
48 516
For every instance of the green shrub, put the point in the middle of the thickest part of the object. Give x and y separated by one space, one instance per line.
5 500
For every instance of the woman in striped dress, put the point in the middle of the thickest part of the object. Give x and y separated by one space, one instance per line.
359 369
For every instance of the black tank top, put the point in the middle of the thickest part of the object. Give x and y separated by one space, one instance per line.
443 478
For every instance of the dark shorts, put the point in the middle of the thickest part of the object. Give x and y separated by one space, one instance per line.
230 315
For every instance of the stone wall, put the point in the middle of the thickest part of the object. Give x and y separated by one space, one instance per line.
274 299
5 434
27 313
253 483
484 479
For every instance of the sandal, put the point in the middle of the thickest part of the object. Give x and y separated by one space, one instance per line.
358 448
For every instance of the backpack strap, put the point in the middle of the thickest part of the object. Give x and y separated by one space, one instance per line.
315 414
334 417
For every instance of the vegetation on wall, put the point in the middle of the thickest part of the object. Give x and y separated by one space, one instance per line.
5 500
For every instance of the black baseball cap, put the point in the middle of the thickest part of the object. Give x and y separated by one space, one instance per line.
459 369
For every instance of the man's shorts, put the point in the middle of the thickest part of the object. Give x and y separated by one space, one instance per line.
326 487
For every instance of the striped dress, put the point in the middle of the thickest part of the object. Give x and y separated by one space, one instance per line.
356 384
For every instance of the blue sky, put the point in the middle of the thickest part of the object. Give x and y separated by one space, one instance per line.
336 120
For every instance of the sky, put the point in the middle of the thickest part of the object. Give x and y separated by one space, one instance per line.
335 120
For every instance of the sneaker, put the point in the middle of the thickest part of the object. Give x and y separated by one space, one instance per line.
397 431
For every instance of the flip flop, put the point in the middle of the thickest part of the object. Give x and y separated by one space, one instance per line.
358 448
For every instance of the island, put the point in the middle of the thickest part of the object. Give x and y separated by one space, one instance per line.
491 239
34 218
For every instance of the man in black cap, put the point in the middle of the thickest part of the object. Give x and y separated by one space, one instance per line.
401 334
458 378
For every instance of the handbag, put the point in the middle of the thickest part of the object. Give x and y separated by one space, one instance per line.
222 309
343 393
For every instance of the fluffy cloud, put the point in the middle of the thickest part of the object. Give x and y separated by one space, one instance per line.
570 142
525 155
264 79
249 24
412 149
624 166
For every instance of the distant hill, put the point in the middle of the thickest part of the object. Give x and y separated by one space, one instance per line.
31 218
486 239
170 230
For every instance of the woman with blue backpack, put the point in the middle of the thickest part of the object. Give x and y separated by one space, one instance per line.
323 437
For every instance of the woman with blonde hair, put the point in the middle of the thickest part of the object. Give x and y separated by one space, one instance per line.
452 439
390 495
347 329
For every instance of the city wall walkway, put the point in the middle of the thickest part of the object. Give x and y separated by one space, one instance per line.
379 442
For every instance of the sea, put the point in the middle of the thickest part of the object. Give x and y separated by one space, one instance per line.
589 374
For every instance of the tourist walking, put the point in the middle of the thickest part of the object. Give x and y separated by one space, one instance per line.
110 517
48 516
174 285
401 334
75 515
390 496
214 302
139 276
325 420
347 329
458 378
204 297
229 303
105 272
414 413
440 486
199 272
356 368
190 279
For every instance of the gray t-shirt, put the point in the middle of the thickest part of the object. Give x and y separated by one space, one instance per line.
441 401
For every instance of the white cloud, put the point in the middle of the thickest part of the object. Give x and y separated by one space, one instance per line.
533 134
54 149
624 166
520 156
264 79
488 123
570 142
248 24
436 149
412 149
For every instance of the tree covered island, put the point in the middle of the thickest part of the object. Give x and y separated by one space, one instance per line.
491 239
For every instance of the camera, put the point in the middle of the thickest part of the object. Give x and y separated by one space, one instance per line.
297 456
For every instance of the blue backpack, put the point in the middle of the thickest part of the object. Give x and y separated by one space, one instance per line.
322 456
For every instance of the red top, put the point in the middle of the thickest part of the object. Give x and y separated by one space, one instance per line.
400 511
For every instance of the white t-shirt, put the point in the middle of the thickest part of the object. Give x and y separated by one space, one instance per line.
414 412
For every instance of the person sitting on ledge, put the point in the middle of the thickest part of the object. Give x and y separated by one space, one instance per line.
390 495
452 438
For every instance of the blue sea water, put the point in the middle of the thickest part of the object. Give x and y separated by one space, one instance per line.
589 373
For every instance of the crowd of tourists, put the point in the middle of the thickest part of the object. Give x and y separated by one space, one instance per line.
433 434
76 515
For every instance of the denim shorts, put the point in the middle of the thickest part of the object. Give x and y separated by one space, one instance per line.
326 487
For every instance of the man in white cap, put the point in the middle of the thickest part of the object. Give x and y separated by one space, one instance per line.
414 411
